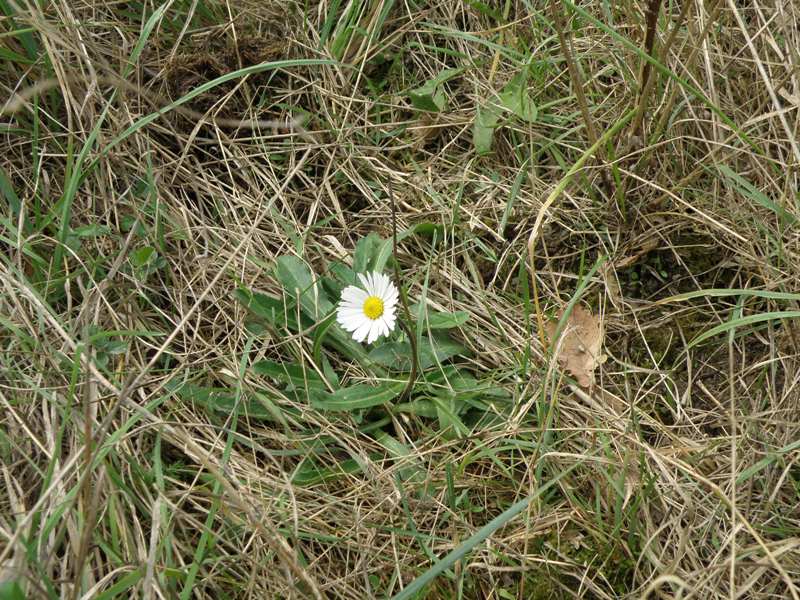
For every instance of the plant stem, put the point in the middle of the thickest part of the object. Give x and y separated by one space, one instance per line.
406 325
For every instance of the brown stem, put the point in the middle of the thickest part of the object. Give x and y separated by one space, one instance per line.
577 83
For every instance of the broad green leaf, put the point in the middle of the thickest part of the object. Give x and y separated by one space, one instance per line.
340 277
296 278
366 252
420 408
272 310
359 396
447 320
290 374
309 472
516 99
143 256
486 118
220 400
412 471
11 590
432 351
447 410
93 230
429 96
319 337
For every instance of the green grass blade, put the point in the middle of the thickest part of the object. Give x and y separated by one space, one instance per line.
743 321
479 536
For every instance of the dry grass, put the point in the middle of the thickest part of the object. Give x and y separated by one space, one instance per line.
121 258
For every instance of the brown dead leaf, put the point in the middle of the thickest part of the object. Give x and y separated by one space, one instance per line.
579 349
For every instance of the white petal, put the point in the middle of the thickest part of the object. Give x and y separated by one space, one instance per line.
374 332
364 281
353 294
362 331
349 323
380 281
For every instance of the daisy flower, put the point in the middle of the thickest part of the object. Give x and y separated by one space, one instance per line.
368 312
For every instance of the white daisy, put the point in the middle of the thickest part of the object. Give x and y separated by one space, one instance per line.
368 313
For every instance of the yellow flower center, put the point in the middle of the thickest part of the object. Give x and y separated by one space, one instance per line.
373 307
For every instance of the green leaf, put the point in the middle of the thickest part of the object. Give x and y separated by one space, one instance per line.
295 277
143 256
220 400
425 228
748 190
290 374
366 252
309 472
465 547
446 320
94 230
123 585
432 351
412 469
272 310
359 396
743 321
420 408
429 96
486 119
516 99
11 590
765 462
7 190
725 292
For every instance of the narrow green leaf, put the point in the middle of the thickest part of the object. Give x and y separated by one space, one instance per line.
357 397
765 462
385 253
465 547
748 190
724 292
123 585
743 321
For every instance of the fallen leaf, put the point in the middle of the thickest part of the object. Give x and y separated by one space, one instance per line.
579 349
